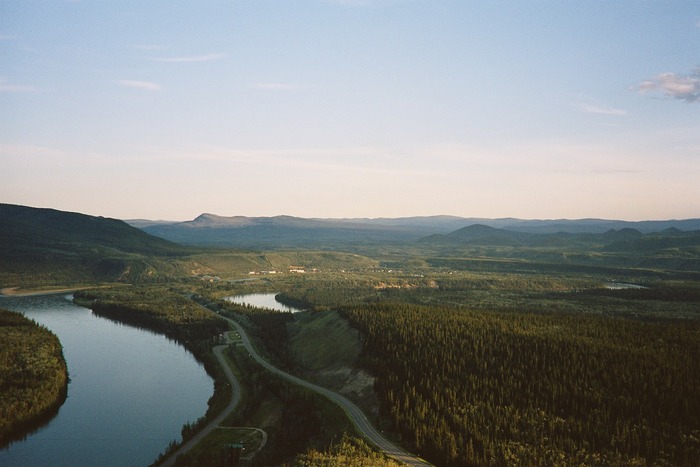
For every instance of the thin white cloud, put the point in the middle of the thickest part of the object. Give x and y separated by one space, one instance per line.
685 88
6 86
7 37
275 86
142 85
600 109
190 59
362 159
150 47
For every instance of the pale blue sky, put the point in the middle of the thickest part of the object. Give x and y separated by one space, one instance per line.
352 108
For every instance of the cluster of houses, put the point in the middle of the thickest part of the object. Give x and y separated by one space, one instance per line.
290 269
256 273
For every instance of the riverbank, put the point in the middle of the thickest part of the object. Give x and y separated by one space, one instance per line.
185 447
18 292
24 292
165 311
33 374
159 386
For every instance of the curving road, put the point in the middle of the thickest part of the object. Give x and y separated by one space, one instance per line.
235 399
356 416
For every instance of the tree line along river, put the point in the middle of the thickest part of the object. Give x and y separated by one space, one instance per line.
130 390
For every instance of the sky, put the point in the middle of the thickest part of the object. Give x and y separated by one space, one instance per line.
164 109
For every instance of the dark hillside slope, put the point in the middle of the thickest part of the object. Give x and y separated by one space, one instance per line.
480 234
49 246
666 240
21 225
669 249
591 225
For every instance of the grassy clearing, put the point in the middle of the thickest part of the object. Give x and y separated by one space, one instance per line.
327 350
210 450
323 340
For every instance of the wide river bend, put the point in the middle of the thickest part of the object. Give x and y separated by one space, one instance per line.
130 390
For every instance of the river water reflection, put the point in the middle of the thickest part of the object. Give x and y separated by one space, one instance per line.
129 394
261 300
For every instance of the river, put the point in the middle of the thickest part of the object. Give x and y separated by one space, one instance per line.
261 300
129 394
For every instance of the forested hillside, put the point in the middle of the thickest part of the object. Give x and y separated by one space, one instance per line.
37 227
45 246
489 388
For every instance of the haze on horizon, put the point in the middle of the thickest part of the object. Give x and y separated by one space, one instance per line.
351 108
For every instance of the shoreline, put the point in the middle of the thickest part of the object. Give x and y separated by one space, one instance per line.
19 292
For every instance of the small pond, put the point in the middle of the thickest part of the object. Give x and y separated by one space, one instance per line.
261 300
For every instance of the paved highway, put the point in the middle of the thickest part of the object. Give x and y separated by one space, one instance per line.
357 417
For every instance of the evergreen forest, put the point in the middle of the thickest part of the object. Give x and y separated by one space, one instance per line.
33 375
474 388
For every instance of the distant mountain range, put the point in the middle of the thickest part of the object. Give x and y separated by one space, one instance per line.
288 231
626 239
49 246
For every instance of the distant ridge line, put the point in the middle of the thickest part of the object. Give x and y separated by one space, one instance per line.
291 231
